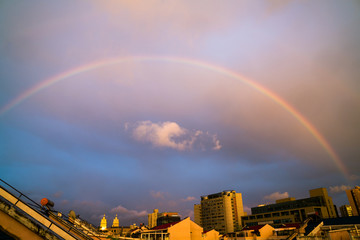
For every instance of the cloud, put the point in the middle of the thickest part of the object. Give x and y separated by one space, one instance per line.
188 213
338 189
124 212
189 199
276 195
157 195
247 209
172 135
216 143
354 177
58 194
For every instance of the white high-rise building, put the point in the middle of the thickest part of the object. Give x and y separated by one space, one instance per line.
220 211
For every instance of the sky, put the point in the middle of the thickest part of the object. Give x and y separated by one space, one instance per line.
120 107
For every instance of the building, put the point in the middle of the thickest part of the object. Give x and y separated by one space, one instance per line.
103 224
211 235
152 217
220 211
346 211
167 218
354 200
333 229
157 219
115 222
253 233
115 230
182 230
197 218
290 210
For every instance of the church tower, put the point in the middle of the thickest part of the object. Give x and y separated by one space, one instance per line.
103 224
115 222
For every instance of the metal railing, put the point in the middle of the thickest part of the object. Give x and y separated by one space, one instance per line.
41 215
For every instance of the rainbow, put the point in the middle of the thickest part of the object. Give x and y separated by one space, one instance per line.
208 66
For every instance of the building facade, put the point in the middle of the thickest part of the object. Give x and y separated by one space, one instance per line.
182 230
155 218
290 210
152 217
220 211
346 211
103 223
197 211
167 218
354 200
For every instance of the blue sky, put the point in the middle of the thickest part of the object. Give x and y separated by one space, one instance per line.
129 137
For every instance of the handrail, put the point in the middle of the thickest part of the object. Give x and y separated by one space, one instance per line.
21 194
35 214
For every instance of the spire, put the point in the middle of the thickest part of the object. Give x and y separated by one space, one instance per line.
103 223
115 222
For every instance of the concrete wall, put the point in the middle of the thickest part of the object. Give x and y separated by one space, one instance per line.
185 230
211 235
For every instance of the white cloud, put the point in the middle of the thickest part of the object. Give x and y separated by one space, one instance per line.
124 212
171 135
276 195
189 199
337 189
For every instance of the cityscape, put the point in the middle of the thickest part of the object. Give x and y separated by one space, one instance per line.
145 119
218 216
221 216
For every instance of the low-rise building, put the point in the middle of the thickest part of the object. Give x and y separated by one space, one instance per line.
156 219
333 229
182 230
262 232
290 210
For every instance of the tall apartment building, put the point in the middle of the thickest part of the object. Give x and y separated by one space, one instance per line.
346 211
354 200
290 210
220 211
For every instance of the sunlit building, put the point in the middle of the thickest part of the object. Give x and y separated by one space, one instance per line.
197 211
290 210
220 211
116 222
354 200
346 211
115 230
156 219
152 217
182 230
103 224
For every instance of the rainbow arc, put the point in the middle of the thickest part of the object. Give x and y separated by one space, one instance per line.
208 66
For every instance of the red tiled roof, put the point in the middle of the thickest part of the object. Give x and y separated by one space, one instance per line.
164 226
